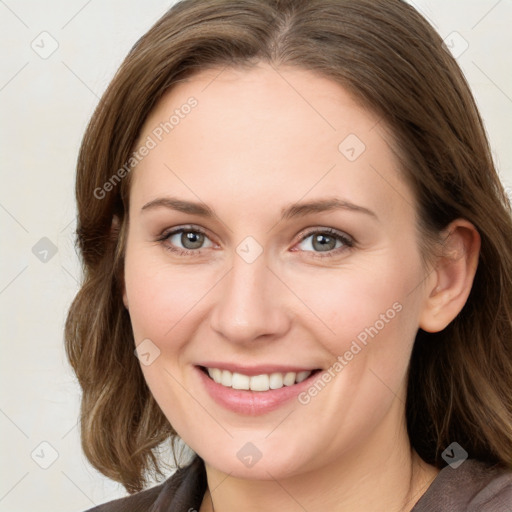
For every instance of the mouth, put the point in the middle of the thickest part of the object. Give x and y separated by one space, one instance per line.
262 382
254 390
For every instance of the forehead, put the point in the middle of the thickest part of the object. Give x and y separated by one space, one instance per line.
278 133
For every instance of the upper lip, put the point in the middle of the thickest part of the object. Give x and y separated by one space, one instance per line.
259 369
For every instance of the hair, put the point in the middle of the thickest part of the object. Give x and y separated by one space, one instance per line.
393 62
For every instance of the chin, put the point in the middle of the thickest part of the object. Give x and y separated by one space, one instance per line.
258 460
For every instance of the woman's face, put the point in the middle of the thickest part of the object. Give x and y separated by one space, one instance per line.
271 239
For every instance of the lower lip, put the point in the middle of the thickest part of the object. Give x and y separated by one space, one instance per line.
252 403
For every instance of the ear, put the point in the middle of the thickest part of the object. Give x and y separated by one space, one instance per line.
449 284
115 231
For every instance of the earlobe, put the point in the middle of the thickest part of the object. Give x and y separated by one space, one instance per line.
450 283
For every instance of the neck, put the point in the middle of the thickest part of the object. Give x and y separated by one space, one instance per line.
379 475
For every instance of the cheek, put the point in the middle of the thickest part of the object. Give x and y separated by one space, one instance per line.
372 317
163 304
162 298
360 302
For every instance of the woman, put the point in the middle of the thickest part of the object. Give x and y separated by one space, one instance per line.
289 209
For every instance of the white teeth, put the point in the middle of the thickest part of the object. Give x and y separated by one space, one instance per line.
215 374
262 382
226 378
276 380
302 376
240 381
289 379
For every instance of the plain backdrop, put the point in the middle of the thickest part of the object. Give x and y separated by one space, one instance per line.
57 59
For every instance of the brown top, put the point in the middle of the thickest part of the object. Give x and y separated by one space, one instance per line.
472 487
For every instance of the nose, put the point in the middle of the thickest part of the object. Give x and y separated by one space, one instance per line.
250 304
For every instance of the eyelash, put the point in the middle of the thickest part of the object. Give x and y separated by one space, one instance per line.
348 243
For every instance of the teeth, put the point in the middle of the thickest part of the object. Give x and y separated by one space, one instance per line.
289 379
226 378
216 375
239 381
302 376
262 382
276 381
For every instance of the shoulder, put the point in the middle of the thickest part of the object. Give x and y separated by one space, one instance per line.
140 501
184 490
472 487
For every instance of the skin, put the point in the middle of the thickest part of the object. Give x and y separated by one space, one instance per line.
258 141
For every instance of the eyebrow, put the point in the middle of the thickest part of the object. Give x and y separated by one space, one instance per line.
291 211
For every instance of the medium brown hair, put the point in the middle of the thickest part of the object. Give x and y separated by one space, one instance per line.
394 63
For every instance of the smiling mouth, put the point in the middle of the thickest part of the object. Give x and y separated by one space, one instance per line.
262 382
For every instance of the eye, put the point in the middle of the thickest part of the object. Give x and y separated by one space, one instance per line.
327 241
186 240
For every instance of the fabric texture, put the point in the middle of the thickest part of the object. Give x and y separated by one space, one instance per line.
472 487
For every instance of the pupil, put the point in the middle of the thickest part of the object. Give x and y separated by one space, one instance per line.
324 242
192 240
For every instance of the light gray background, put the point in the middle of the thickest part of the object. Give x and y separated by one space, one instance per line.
46 103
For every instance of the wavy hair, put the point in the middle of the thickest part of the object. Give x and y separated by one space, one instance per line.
392 61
